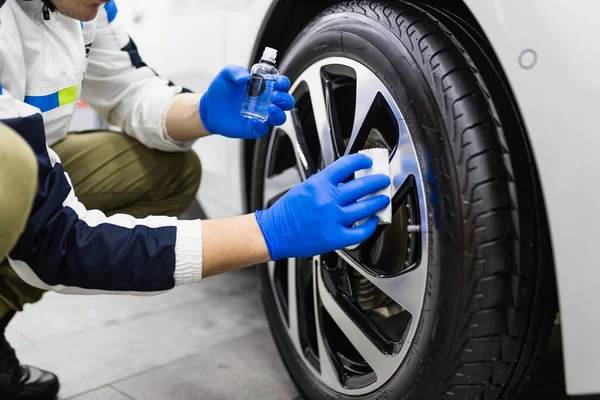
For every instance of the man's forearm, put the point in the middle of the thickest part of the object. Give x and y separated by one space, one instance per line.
183 118
231 243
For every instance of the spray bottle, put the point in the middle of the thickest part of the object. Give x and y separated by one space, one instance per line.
260 87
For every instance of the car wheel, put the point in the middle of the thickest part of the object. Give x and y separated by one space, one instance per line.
455 298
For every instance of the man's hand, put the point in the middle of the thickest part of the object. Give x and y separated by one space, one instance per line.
314 217
317 215
220 106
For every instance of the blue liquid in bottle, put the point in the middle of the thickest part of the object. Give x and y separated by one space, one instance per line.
260 87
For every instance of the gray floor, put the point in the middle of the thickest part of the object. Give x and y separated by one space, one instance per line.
204 341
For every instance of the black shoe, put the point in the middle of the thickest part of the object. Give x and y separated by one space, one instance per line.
36 384
22 382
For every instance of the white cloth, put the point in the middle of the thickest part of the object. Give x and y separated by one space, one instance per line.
381 165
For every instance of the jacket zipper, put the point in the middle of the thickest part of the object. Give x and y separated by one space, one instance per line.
59 39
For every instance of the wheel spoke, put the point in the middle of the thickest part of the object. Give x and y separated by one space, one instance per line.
334 121
271 269
406 176
406 289
329 374
316 89
278 185
379 362
293 329
404 162
293 129
368 88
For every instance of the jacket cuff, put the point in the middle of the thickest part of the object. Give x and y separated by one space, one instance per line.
188 252
174 145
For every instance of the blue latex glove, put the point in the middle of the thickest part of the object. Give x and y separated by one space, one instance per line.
316 216
220 106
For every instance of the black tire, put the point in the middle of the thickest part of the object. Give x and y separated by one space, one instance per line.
491 294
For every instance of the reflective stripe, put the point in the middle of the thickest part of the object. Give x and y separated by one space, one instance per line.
53 100
111 10
67 96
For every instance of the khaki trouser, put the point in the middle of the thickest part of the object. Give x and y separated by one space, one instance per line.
109 171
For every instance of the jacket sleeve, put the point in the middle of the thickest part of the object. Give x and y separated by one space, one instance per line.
123 89
69 249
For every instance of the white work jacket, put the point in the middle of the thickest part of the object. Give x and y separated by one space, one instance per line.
47 63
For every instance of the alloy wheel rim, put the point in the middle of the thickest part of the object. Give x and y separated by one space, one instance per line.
375 353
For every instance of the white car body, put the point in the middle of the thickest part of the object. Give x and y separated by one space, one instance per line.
547 51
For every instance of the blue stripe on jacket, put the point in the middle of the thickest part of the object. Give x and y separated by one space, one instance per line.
62 249
44 103
111 10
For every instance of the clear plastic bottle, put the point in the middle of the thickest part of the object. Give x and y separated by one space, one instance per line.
260 86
